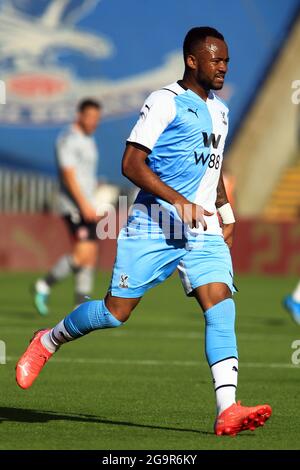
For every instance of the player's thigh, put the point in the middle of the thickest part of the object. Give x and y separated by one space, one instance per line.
141 264
121 307
211 294
206 272
85 252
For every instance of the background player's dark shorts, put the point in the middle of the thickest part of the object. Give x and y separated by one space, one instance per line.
79 229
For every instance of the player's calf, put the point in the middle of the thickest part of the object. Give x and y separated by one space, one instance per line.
87 317
221 351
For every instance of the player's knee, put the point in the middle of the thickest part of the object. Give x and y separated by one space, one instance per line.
217 294
120 310
85 254
79 259
121 314
89 262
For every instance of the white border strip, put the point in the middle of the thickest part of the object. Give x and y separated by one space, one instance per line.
2 92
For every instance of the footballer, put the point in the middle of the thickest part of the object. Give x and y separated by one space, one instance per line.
174 154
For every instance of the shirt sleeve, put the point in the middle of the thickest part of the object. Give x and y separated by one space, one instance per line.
157 113
66 152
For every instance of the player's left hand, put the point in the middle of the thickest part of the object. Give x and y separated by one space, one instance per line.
228 231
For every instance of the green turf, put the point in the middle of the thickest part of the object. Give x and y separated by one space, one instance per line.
146 385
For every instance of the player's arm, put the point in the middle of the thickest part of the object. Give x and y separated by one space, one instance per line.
134 167
71 183
225 212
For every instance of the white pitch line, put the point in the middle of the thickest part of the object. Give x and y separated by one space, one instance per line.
155 362
27 332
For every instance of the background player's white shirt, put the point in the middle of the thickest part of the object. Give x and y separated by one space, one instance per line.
185 137
77 150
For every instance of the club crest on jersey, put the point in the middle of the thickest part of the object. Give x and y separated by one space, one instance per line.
224 118
124 281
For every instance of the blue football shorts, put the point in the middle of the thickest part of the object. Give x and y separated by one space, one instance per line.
144 261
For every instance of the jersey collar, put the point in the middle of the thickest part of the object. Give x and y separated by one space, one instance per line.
210 95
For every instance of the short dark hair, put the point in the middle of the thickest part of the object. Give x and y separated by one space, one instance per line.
88 103
195 35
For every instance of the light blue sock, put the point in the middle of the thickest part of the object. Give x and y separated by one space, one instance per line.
220 340
89 316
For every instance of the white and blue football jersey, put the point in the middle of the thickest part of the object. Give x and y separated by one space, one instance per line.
185 138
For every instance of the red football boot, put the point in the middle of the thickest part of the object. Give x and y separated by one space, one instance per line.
239 418
33 360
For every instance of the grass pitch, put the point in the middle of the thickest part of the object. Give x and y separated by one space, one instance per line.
146 385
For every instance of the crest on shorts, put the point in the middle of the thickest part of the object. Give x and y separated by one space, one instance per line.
124 281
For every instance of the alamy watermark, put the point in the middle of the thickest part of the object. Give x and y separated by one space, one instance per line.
296 94
295 358
150 221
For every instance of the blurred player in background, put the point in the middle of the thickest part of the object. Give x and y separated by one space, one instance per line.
292 304
77 158
174 153
292 301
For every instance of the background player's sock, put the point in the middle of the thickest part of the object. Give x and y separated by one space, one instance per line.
64 266
42 287
87 317
296 293
221 351
84 278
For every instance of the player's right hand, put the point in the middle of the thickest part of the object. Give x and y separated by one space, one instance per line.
191 214
89 213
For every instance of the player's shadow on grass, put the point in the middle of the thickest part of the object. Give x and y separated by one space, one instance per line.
33 416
